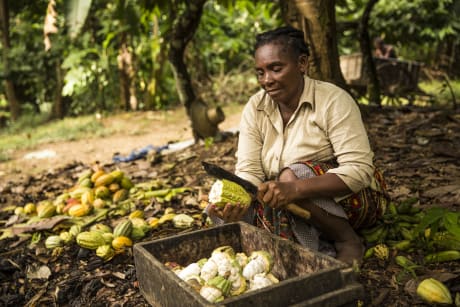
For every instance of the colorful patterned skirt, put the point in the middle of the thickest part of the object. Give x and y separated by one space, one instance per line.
362 208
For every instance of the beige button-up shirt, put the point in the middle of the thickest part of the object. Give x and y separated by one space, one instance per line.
326 125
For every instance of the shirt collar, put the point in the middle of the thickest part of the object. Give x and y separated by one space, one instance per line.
308 96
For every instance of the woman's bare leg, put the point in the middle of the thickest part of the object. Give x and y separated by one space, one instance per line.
337 229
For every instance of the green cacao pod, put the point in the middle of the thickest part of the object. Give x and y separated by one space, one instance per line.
53 241
123 229
90 239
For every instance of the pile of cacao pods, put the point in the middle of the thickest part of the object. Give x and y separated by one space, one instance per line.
111 197
406 228
415 238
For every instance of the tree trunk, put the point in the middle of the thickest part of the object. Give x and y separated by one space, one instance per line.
204 121
126 74
317 20
13 102
58 106
373 87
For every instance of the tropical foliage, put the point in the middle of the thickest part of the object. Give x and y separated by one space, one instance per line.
118 57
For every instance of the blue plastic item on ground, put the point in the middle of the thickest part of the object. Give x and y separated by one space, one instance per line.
138 154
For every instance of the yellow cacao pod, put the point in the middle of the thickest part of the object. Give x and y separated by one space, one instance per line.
381 251
90 239
60 208
66 237
99 203
104 180
120 195
46 209
87 198
121 242
78 192
105 252
124 228
97 174
19 211
113 187
434 291
154 222
166 218
79 210
136 213
30 208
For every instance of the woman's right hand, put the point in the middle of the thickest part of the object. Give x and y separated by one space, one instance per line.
230 213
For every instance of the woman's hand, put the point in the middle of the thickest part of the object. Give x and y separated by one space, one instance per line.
276 194
230 213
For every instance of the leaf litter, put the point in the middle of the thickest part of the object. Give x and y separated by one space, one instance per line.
418 150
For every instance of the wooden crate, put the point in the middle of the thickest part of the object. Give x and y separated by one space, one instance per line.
307 278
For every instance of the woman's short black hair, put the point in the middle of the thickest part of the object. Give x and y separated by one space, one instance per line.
286 36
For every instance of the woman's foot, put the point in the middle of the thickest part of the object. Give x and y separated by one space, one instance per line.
350 252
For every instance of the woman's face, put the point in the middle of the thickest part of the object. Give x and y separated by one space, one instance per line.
280 73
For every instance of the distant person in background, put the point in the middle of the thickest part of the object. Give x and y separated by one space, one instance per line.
383 50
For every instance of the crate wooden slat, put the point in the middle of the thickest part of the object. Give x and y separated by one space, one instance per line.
306 276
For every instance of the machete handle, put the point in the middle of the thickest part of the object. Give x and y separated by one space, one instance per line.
299 211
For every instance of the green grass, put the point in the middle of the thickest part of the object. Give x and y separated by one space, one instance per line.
438 94
441 91
31 131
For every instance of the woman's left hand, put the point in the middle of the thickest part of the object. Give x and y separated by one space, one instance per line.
276 194
230 213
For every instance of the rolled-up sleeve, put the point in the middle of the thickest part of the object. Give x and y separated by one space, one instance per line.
350 142
249 164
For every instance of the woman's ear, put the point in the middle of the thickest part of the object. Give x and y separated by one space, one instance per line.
303 63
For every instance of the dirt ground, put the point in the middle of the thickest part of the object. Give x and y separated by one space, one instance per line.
417 149
161 131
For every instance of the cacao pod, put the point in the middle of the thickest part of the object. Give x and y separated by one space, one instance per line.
102 192
117 175
105 252
79 210
53 241
101 228
123 229
434 291
90 239
30 208
126 183
120 195
121 242
97 174
136 214
104 180
99 203
46 209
